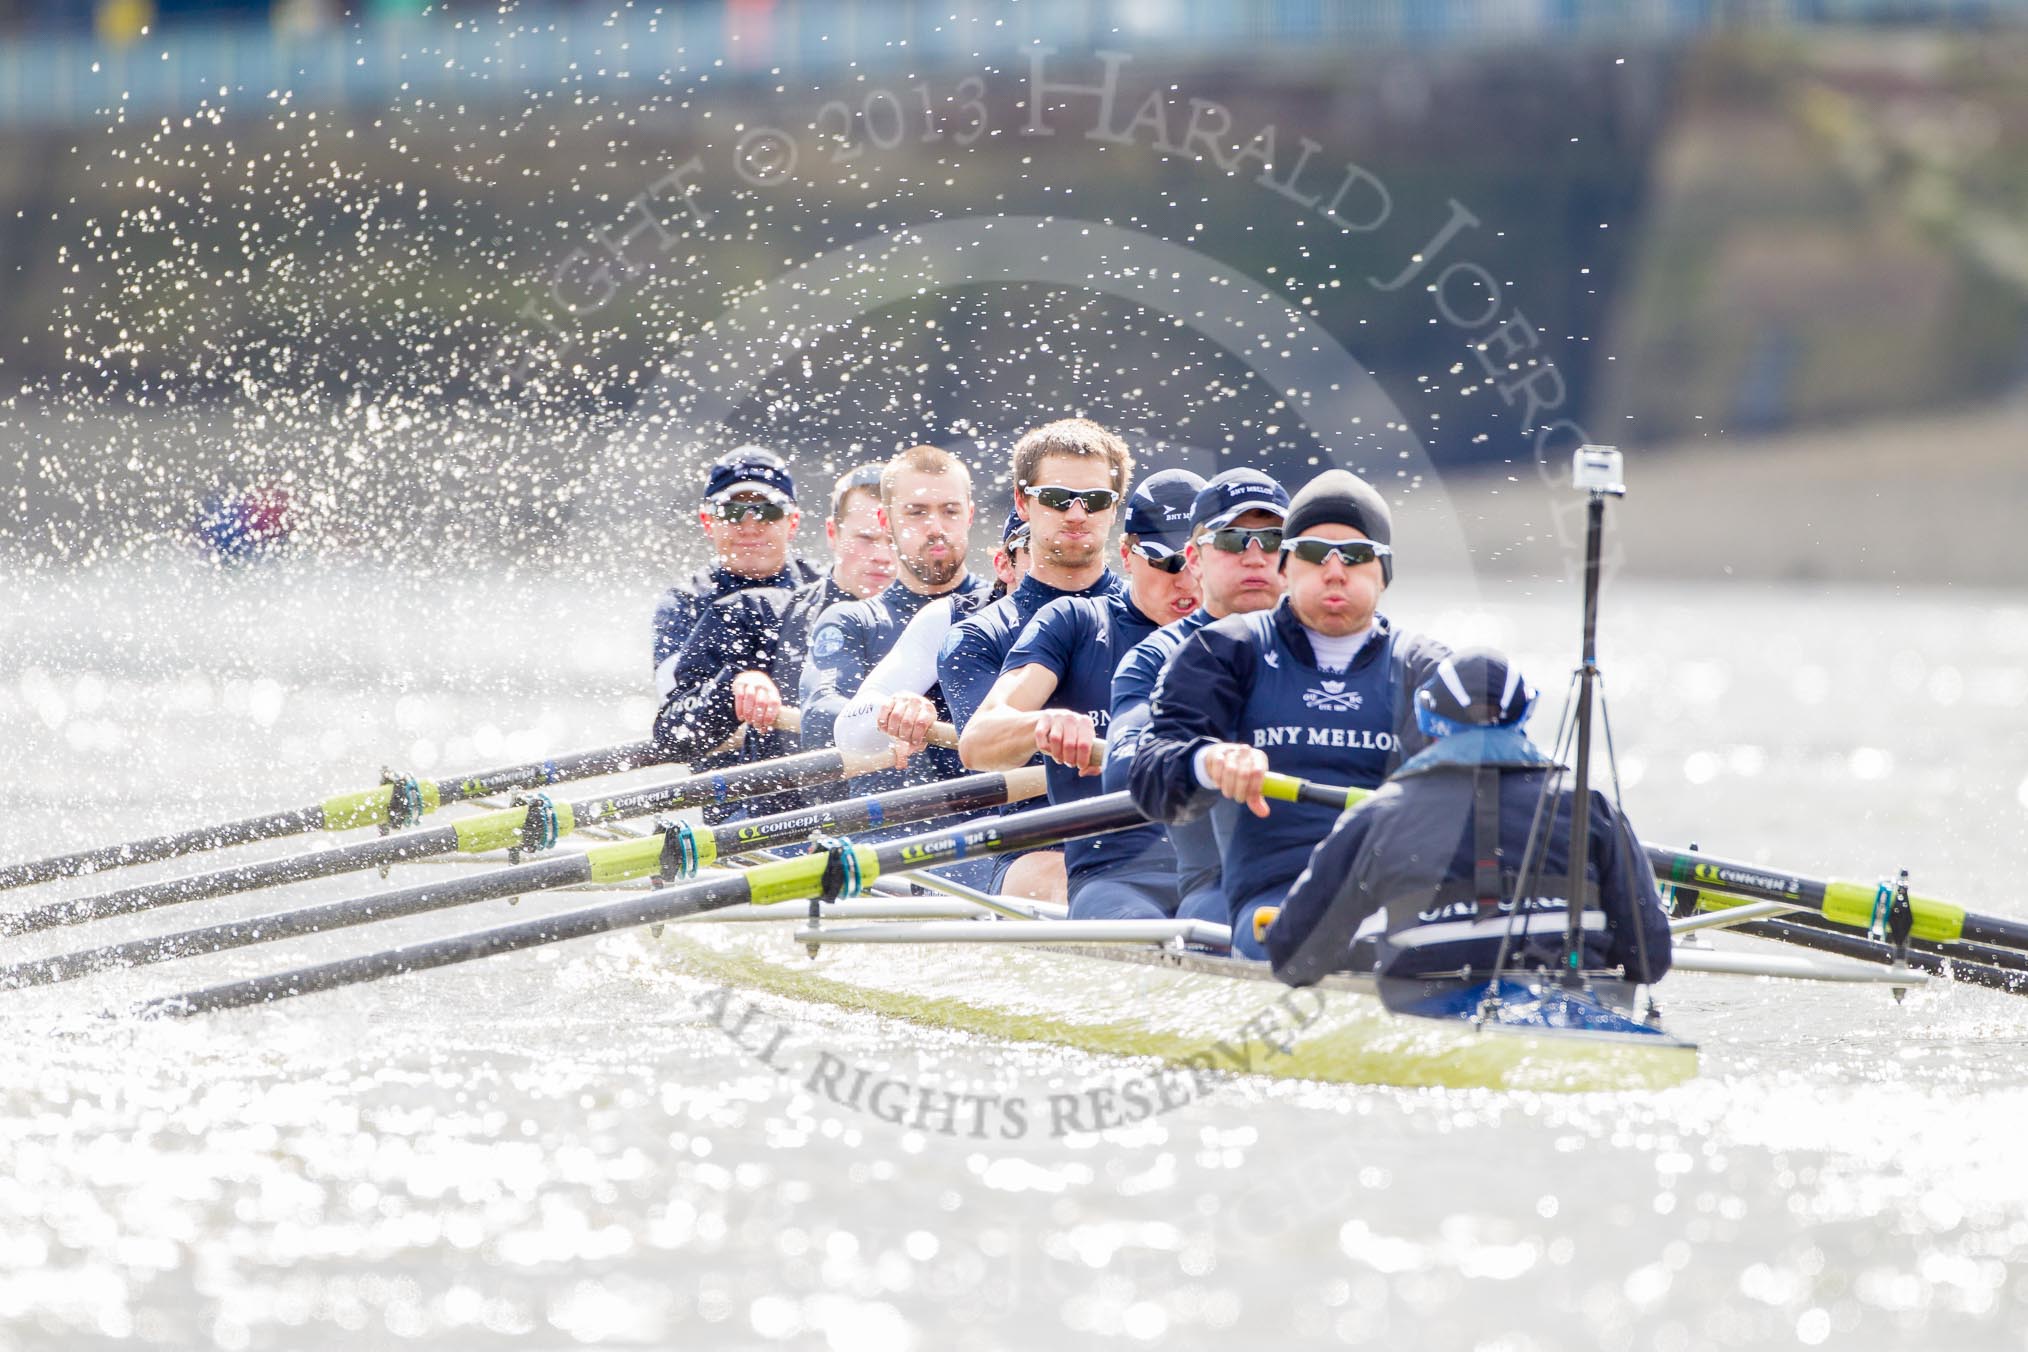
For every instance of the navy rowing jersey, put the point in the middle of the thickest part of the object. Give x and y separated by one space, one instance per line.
1254 679
976 649
846 642
1080 640
1194 843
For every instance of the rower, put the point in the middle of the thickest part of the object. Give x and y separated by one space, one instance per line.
1435 858
1054 696
863 565
925 500
1069 478
749 517
1316 687
1235 542
900 701
724 676
862 549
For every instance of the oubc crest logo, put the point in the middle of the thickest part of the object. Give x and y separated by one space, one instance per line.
829 642
1333 696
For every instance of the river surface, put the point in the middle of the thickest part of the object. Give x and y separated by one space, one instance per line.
562 1148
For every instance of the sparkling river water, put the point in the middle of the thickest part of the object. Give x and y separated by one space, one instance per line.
561 1148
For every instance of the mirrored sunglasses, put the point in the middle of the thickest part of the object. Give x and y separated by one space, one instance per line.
1058 498
1235 539
740 511
1166 563
1311 549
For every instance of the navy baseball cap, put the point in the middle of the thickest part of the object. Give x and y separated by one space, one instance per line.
1159 511
1014 535
1233 493
750 469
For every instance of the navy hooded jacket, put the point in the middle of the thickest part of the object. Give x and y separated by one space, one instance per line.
1409 852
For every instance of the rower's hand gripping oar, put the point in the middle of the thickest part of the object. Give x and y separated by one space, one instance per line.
843 872
534 825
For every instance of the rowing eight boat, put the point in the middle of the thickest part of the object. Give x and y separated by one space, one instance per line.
1139 994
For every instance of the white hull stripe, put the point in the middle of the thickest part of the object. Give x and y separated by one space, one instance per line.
1465 931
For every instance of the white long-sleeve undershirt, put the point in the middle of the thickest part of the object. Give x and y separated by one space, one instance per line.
910 667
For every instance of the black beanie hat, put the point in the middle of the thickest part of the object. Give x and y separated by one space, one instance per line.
1340 497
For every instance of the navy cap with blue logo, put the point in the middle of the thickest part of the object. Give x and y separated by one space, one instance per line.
1014 535
750 469
1234 493
1158 513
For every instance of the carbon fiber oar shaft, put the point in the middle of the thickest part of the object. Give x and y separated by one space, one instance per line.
1856 906
1820 938
602 863
786 880
500 830
1849 905
342 812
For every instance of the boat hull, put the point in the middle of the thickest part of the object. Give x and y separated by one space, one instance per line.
1207 1013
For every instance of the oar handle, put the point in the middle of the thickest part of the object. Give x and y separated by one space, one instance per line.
1030 781
790 720
1290 789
